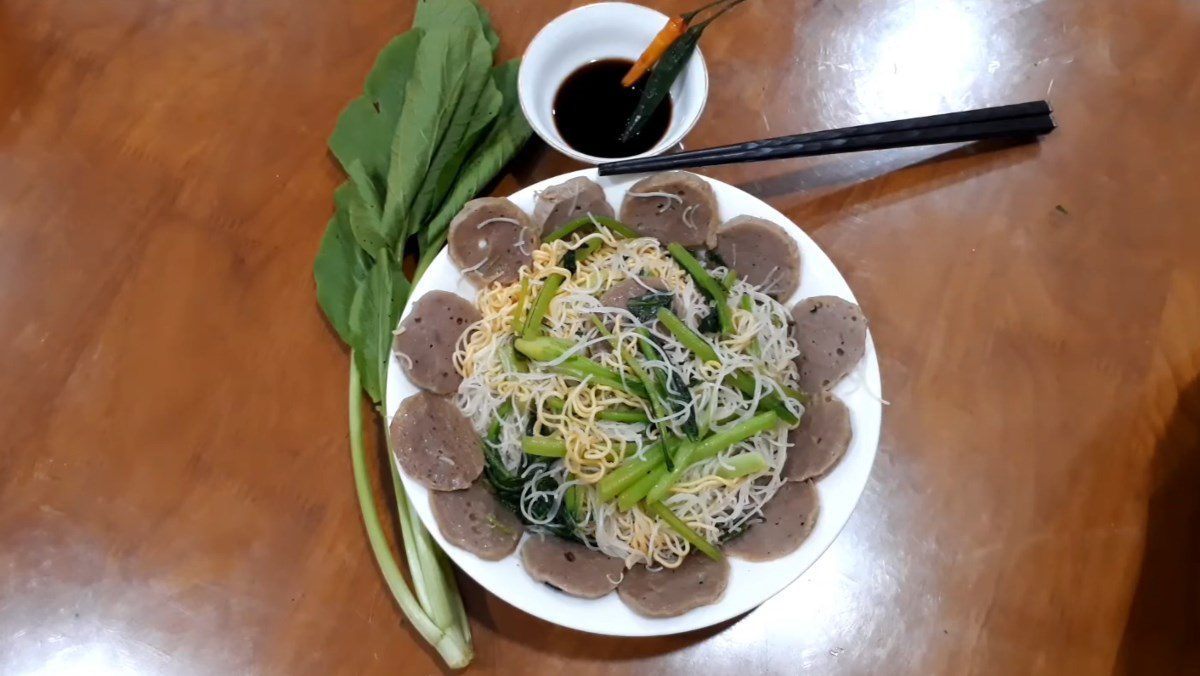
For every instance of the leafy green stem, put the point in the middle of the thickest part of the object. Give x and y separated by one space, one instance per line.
453 648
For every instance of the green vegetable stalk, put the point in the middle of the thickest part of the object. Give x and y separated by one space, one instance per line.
695 539
743 465
657 399
611 223
689 338
744 382
709 447
709 286
578 367
518 321
446 634
628 473
621 414
638 490
748 305
533 323
544 446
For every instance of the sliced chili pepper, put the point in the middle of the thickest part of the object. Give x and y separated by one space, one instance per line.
654 51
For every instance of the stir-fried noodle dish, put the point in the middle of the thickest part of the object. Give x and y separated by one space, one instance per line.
630 397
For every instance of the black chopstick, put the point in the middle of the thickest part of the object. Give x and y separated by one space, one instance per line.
1022 119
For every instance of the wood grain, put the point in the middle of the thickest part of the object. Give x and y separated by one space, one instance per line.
175 488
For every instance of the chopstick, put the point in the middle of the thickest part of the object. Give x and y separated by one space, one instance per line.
1016 120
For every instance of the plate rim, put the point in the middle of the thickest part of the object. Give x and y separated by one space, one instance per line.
728 607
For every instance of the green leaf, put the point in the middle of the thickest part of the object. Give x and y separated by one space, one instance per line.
370 324
502 142
433 92
485 21
475 79
441 14
365 211
505 77
486 110
365 128
340 266
646 306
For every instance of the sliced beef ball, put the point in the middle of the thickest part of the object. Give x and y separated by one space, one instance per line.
788 518
560 204
475 520
820 440
435 443
832 335
673 206
762 253
490 239
698 581
428 337
571 567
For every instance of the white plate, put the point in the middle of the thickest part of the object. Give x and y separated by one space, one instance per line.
750 583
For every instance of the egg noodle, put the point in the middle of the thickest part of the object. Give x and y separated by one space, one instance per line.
760 344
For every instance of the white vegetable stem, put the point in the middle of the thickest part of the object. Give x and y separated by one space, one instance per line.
438 617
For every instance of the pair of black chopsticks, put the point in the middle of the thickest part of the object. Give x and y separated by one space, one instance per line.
1019 120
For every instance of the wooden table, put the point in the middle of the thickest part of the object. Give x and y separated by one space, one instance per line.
175 487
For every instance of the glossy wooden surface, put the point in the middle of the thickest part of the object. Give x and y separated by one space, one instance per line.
175 488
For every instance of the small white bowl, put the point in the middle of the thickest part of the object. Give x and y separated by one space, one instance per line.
605 30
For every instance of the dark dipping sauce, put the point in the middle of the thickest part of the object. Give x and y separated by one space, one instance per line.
591 109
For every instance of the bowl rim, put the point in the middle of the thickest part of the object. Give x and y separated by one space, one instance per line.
682 122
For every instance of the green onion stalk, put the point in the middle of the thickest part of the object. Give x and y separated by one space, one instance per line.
436 611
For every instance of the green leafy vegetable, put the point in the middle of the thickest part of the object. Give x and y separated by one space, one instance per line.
710 322
340 266
434 124
433 92
476 71
365 129
646 307
487 107
506 136
440 14
452 635
509 484
365 211
485 23
500 477
371 326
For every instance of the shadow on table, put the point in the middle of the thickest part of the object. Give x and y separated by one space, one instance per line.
520 627
1162 632
894 175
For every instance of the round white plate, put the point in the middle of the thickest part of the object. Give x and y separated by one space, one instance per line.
750 583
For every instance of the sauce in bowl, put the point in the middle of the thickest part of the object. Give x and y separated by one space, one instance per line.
591 109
